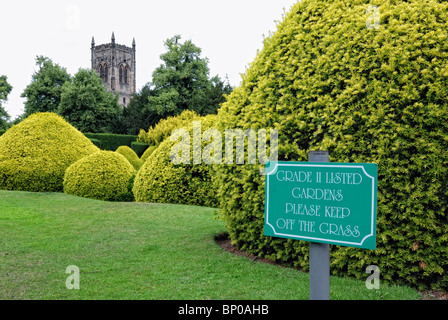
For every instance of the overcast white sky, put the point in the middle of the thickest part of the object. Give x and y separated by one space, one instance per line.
228 32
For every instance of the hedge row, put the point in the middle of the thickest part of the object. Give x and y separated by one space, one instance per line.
111 141
139 148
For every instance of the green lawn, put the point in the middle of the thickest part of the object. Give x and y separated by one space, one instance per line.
138 251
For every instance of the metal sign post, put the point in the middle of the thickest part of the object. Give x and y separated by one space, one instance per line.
323 203
319 252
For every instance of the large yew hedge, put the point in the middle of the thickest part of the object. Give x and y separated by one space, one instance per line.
35 153
327 82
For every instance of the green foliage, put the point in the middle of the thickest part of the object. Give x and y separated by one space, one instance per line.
180 79
326 82
139 148
104 175
5 89
214 96
182 82
164 127
139 114
44 92
111 141
160 180
35 153
87 105
147 153
96 142
131 156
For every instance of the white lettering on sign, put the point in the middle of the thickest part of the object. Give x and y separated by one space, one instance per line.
343 178
317 194
296 176
301 209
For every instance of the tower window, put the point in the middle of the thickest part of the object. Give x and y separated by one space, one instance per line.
126 80
123 74
104 72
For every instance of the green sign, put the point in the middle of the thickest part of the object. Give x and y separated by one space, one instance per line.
322 202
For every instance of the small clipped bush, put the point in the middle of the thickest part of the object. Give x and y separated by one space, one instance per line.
35 153
160 180
104 175
326 81
147 153
131 156
163 129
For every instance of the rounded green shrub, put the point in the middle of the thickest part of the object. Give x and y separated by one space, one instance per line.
147 153
329 80
104 175
162 130
35 153
161 180
131 156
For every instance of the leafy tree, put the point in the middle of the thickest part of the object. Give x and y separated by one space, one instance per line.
138 114
5 89
43 94
214 96
182 81
87 105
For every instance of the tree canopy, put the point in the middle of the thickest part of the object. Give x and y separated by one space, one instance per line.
87 105
5 89
43 94
182 81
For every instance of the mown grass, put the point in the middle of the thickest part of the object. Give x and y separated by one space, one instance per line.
138 251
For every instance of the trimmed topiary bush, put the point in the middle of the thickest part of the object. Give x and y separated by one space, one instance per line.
163 129
104 175
327 82
160 180
131 156
35 153
147 153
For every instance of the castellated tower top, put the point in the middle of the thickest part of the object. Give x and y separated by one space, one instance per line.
116 65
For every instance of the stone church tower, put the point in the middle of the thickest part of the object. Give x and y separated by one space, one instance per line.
115 63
